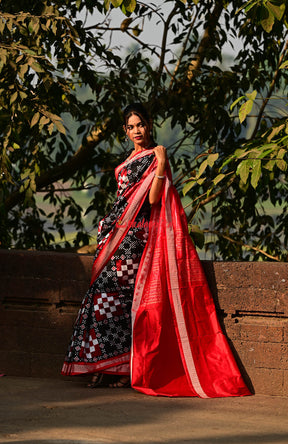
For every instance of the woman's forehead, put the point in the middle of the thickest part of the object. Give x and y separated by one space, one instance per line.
134 120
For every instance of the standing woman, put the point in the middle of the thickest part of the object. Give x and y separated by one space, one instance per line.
148 315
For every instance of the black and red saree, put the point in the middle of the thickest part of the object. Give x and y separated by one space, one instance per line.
146 260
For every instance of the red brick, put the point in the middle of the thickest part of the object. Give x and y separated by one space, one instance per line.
232 328
267 381
261 332
15 363
20 319
250 300
285 330
284 357
262 355
47 341
31 290
285 375
46 365
73 291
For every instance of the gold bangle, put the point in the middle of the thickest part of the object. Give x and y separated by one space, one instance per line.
159 177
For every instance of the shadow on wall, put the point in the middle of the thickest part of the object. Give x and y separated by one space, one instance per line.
40 295
209 269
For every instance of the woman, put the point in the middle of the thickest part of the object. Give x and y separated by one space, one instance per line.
147 284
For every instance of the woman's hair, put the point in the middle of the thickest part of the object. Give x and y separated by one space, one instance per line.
136 109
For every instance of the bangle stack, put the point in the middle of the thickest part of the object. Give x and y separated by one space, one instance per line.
159 177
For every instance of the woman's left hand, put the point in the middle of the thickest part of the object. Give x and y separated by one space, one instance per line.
160 154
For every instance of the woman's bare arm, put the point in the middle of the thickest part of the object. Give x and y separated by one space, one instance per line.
158 181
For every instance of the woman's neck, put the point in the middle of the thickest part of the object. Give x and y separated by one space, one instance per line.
139 148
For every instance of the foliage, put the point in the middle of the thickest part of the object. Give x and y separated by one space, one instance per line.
235 161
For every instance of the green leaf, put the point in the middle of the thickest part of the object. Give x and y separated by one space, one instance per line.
284 65
270 165
276 130
268 22
211 159
245 109
243 170
125 24
107 4
197 235
281 164
235 102
130 5
43 121
50 128
202 168
281 153
37 67
252 95
277 11
136 31
35 119
60 127
116 3
218 178
23 70
187 187
256 173
2 25
13 97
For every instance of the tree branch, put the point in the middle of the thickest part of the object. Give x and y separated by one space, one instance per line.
164 38
183 51
209 199
270 92
207 39
230 239
67 169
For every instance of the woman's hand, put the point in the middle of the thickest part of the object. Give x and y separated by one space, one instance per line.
161 156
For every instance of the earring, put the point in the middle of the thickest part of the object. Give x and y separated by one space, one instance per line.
126 138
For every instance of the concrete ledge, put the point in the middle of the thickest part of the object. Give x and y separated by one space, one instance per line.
40 293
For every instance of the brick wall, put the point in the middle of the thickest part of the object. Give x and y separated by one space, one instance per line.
40 293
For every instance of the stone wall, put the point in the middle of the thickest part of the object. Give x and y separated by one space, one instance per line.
40 293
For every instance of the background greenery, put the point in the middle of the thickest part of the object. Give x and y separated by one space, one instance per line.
64 79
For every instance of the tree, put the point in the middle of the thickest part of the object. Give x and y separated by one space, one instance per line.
236 163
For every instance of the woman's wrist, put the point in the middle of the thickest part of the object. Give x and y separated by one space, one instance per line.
159 177
160 170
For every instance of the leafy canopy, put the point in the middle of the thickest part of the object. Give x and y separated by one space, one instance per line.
65 78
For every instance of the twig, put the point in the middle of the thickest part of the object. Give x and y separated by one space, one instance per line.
250 247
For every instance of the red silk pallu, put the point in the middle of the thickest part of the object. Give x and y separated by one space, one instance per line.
178 348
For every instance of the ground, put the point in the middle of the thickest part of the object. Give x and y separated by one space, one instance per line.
65 411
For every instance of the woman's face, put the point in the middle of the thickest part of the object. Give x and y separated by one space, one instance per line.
137 131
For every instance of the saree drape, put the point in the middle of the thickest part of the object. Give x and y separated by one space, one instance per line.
178 348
